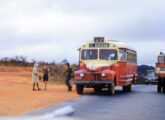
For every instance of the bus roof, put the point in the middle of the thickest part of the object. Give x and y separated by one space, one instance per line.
114 42
120 44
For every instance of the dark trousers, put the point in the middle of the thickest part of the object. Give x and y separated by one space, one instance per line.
67 82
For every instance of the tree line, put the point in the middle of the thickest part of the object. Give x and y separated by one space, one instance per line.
23 61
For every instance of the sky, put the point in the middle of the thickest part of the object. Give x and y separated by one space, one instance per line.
51 30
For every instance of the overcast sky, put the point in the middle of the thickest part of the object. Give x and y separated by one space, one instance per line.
54 29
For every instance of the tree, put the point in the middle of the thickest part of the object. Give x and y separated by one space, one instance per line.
64 61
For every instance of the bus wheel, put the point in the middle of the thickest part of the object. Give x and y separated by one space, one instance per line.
159 89
125 89
111 89
129 88
159 86
147 83
98 89
164 85
80 89
163 89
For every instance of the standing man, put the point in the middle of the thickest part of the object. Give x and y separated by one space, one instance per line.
35 77
45 75
68 73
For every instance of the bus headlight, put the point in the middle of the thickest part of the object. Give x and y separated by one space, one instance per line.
81 74
103 74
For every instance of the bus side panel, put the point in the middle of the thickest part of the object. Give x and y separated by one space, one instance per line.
122 73
127 73
158 66
130 73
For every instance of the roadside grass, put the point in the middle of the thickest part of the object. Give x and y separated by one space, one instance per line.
56 71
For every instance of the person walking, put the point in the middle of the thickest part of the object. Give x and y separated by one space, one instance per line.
35 77
68 73
45 76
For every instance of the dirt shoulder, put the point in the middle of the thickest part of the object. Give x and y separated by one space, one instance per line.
16 95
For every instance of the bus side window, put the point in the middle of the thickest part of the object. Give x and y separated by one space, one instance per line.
135 57
122 55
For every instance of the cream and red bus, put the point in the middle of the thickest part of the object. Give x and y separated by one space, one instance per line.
160 73
106 64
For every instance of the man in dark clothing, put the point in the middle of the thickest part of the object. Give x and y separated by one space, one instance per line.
68 73
45 75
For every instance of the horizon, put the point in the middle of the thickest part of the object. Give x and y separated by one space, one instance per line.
61 62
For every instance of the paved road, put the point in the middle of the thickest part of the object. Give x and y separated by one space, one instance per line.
143 103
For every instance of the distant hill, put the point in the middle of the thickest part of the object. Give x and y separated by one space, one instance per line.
144 68
141 72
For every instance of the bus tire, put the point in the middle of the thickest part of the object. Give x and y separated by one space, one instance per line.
129 87
159 89
111 89
163 85
80 89
125 89
134 80
163 89
159 86
98 89
147 83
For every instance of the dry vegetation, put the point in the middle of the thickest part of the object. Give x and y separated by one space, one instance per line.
21 61
16 95
56 71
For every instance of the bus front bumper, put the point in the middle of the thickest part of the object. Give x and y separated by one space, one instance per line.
91 82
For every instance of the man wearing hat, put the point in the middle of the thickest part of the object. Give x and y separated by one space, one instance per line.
35 77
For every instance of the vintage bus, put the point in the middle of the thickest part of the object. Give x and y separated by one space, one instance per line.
106 64
160 73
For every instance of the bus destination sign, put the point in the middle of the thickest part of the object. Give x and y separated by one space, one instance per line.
99 39
99 45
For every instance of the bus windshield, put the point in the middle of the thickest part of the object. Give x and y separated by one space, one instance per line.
106 54
151 74
89 54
